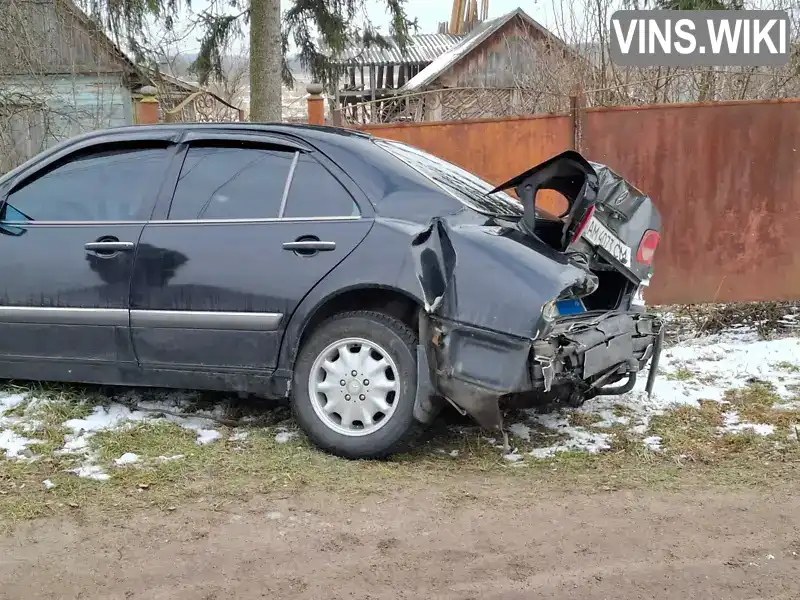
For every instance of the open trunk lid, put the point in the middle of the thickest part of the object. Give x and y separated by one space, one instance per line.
609 221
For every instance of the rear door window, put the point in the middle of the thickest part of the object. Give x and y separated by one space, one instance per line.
315 192
107 184
224 182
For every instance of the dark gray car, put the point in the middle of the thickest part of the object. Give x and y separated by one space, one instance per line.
368 281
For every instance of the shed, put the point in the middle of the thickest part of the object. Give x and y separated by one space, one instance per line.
61 75
489 72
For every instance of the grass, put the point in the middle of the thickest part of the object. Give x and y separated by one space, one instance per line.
788 366
680 374
621 410
693 434
582 419
229 471
757 402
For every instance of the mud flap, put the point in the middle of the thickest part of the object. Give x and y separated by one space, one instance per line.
426 408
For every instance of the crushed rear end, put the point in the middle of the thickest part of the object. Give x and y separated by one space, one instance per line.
590 334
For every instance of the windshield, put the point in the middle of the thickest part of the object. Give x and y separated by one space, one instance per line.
463 185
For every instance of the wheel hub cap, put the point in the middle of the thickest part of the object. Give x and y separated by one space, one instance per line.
353 385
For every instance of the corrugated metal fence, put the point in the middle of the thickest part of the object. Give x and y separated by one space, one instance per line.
726 177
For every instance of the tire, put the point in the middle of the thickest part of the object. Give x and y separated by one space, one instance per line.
340 434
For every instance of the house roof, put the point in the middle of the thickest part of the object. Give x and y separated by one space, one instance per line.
103 37
469 43
422 48
130 66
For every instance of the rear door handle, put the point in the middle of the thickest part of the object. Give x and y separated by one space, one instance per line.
310 246
107 247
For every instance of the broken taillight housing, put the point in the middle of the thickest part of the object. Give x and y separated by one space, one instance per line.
647 247
586 218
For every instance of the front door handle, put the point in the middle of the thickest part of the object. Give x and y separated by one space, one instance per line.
109 246
309 246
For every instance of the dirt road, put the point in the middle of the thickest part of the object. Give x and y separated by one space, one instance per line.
469 542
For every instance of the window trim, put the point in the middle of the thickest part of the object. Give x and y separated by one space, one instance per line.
176 222
316 158
94 146
18 177
287 185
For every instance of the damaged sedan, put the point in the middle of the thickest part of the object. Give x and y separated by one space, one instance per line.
368 282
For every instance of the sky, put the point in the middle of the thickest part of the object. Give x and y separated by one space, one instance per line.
431 12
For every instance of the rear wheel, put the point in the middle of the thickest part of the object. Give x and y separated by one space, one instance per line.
354 385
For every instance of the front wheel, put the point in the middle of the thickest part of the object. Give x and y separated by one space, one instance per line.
354 385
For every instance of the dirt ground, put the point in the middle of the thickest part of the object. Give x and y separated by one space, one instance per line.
459 541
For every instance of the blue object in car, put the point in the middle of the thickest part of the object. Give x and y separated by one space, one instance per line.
573 306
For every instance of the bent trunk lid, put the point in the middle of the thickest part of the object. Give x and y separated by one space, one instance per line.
607 216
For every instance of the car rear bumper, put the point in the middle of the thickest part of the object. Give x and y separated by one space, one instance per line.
594 349
575 357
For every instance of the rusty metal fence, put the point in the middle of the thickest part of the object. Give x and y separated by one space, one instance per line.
726 177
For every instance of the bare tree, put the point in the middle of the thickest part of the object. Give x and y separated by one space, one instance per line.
584 25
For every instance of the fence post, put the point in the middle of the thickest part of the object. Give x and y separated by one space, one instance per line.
147 106
316 105
576 115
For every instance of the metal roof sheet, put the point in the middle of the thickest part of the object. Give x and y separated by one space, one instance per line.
424 48
458 51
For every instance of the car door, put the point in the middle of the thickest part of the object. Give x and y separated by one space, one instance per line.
68 233
217 279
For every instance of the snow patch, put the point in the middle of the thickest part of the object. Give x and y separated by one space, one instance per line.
513 456
104 418
169 458
48 485
653 443
126 459
724 361
91 472
284 436
11 401
239 436
732 423
14 444
609 419
74 444
206 436
521 431
577 438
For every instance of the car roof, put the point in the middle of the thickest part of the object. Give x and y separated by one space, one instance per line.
336 136
300 130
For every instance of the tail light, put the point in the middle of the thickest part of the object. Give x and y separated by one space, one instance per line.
647 247
586 218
